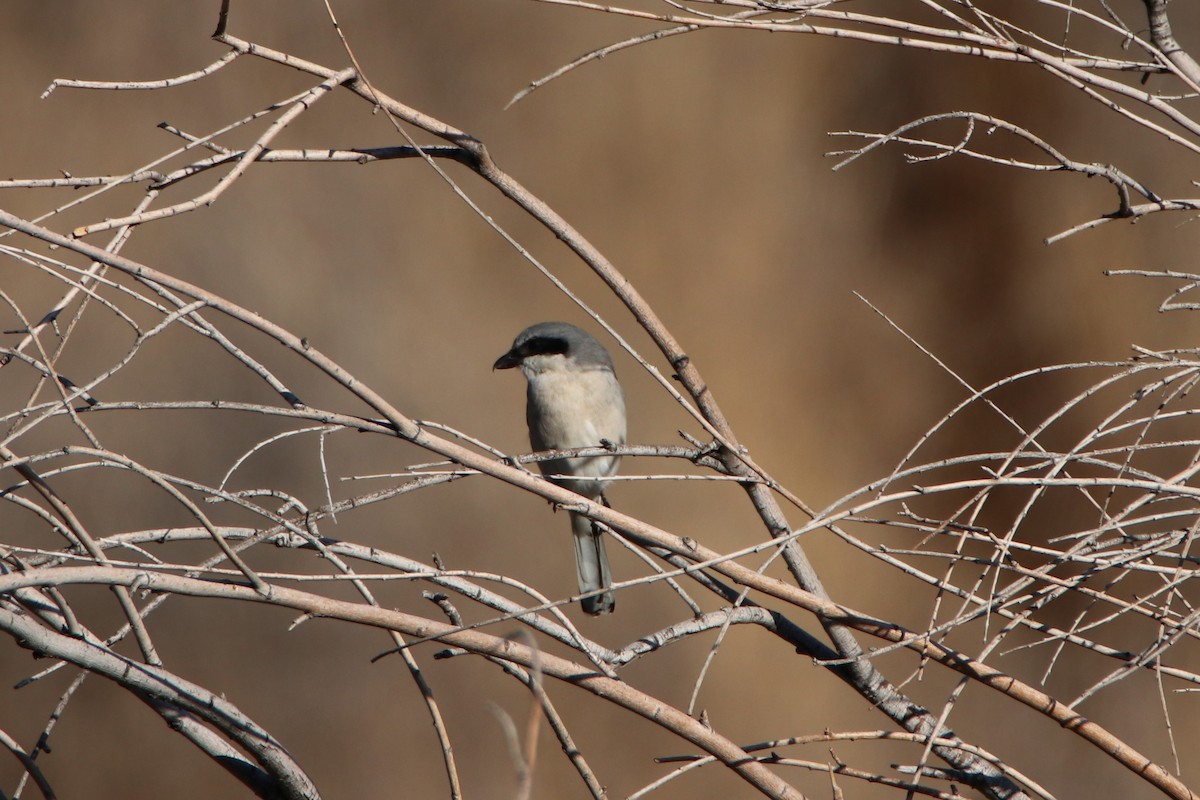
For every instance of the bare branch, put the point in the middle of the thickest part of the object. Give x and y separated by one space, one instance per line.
163 83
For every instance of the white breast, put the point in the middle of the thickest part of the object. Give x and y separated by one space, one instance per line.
576 408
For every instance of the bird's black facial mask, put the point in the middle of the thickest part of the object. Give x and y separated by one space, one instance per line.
538 346
543 346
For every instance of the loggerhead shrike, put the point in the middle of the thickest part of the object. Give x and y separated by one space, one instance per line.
573 400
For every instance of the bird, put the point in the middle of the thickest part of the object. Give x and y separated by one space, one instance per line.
573 400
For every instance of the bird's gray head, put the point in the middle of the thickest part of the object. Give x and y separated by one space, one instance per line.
554 345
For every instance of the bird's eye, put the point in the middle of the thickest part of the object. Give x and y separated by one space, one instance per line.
544 346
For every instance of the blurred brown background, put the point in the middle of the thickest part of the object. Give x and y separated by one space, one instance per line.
696 164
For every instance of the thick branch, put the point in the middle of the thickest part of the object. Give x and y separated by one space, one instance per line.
1164 40
161 686
175 690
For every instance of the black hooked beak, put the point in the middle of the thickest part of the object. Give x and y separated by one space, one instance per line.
507 361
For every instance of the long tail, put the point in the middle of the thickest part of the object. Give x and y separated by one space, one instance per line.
591 566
